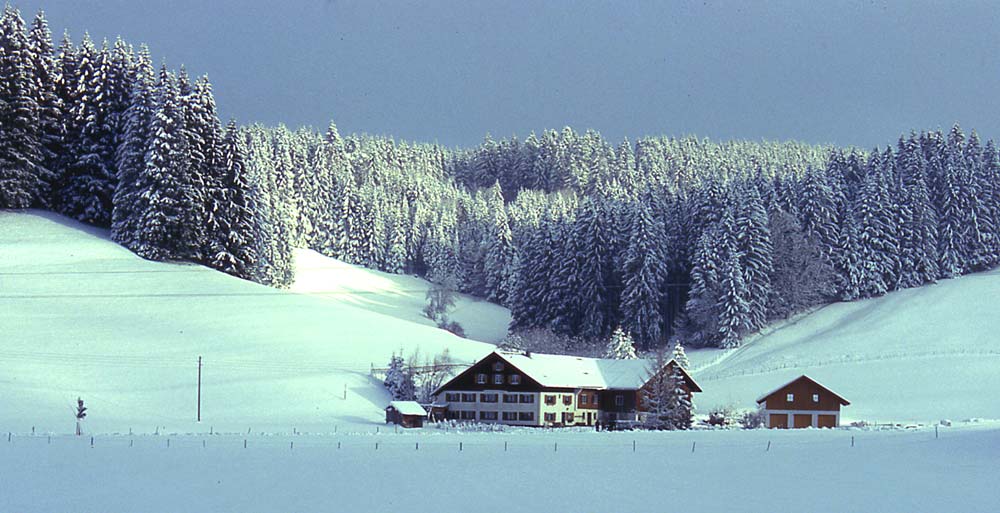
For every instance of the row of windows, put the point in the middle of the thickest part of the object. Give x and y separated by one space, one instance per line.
455 397
513 379
791 398
521 416
567 417
566 399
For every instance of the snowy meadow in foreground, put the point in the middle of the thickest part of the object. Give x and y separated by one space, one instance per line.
425 470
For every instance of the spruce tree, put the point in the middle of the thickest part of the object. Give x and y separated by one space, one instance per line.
620 346
23 178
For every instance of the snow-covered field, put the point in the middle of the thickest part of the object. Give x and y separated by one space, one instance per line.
394 295
810 470
82 316
922 354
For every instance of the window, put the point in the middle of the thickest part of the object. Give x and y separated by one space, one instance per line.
550 417
790 397
488 398
468 398
487 415
510 415
467 415
515 379
510 398
815 398
568 400
550 399
567 417
498 366
451 397
527 399
481 379
583 399
619 400
451 415
526 416
498 379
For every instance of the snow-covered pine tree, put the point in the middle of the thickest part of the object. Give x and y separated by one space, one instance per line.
23 180
50 108
593 263
679 405
680 356
978 216
398 381
877 239
90 177
236 254
644 275
166 227
732 305
753 242
499 249
620 346
918 223
131 154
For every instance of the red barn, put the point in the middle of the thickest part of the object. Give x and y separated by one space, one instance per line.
802 403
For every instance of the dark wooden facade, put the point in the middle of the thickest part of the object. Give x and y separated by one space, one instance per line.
802 403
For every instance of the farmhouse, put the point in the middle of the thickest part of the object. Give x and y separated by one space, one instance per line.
802 403
531 389
408 414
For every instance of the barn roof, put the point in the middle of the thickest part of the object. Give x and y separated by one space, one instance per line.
408 408
764 397
562 371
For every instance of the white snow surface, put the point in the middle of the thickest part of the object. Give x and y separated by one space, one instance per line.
395 295
83 317
922 354
902 471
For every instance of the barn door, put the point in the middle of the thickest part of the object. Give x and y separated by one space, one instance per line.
778 420
803 421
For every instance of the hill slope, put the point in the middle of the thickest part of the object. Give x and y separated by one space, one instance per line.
82 316
395 295
921 354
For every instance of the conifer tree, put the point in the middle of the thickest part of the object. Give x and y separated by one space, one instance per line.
620 346
23 178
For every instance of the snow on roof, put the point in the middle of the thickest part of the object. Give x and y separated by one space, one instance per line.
762 398
408 408
561 371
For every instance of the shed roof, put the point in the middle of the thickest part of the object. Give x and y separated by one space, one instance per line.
764 397
408 408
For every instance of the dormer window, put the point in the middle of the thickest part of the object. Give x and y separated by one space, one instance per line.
498 366
790 398
481 379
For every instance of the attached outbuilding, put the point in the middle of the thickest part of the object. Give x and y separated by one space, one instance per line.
802 403
408 414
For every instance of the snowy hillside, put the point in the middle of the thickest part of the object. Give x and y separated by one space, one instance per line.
395 295
919 354
82 316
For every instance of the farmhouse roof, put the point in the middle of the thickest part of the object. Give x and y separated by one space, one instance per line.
562 371
764 397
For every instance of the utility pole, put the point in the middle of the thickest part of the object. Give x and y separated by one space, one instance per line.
199 389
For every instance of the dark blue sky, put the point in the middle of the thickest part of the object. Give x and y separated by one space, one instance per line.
847 73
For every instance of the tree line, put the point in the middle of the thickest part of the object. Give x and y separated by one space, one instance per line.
665 238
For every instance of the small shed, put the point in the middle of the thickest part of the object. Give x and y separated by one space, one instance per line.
802 403
408 414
